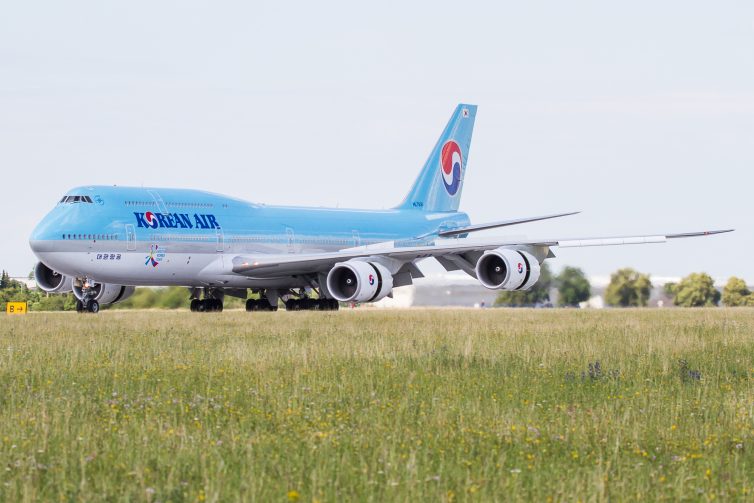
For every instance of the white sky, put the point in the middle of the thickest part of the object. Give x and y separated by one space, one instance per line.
640 114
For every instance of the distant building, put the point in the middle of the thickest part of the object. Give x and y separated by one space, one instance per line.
30 283
461 290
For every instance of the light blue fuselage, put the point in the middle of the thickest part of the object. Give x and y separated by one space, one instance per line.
191 236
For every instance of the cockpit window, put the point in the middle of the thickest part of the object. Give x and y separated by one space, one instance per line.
76 199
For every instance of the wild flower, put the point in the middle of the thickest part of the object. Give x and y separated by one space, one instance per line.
688 375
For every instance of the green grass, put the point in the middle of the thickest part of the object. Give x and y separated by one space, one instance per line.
433 405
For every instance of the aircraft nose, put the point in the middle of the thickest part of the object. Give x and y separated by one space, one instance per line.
37 241
41 238
36 236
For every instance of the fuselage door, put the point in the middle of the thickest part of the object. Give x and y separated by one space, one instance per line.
220 241
291 239
130 237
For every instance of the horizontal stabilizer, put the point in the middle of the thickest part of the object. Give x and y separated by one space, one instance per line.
503 223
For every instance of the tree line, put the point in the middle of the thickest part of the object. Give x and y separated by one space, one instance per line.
627 288
173 297
12 290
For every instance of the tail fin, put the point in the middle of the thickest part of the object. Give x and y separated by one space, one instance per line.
439 185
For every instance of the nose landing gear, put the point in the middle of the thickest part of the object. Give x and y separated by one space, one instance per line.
87 303
91 306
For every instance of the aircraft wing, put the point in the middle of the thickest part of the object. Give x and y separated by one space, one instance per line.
276 265
504 223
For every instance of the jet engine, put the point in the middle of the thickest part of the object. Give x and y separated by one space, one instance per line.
106 293
358 281
51 281
506 269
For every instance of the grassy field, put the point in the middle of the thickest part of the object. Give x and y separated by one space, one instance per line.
368 405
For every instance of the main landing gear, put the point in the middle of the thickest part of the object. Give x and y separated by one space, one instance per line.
260 305
206 305
211 303
294 300
308 304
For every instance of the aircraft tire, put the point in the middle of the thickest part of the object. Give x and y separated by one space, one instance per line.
93 307
328 305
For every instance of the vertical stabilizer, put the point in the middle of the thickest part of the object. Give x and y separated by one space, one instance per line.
440 183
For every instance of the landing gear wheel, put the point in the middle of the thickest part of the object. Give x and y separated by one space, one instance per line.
260 305
328 305
308 304
194 305
93 307
292 305
207 305
79 306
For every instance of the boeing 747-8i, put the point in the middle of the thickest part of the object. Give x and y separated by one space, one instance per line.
100 242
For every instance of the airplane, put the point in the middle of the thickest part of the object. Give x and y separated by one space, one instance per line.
101 242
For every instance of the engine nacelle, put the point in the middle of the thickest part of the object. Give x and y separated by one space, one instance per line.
51 281
358 281
106 293
506 269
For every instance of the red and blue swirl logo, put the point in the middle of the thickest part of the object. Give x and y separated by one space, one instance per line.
371 279
151 219
520 268
451 166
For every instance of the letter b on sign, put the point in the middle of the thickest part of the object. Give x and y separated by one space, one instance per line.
15 308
